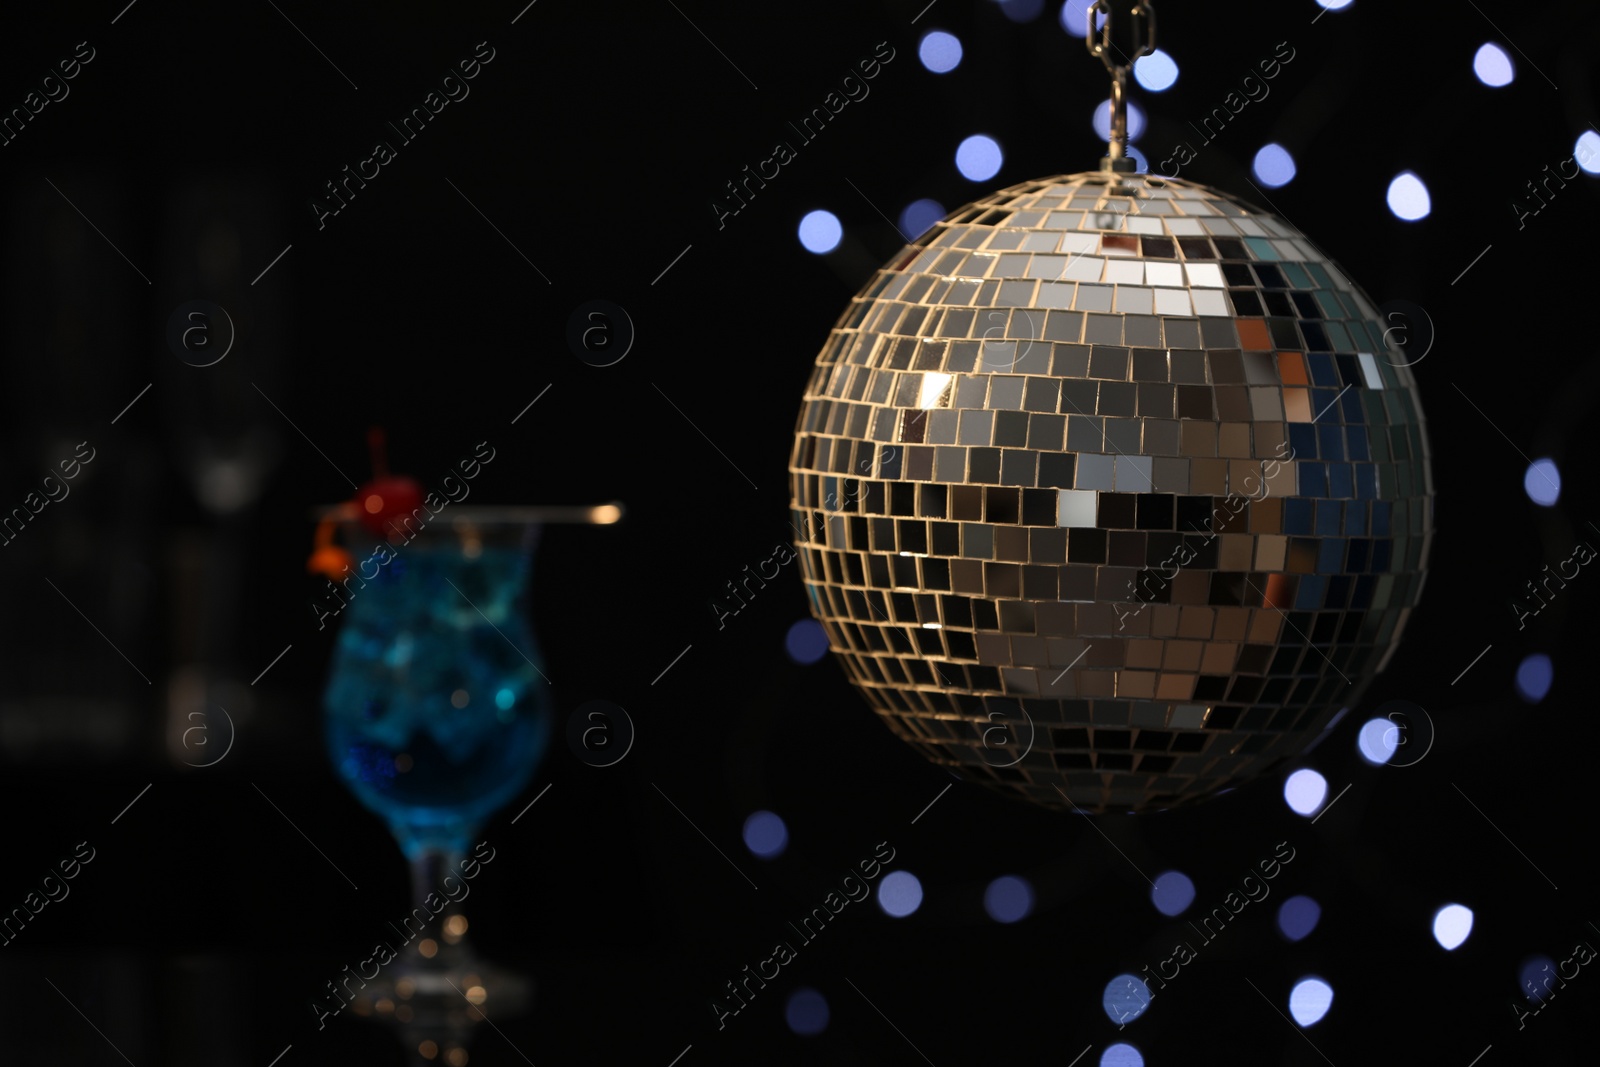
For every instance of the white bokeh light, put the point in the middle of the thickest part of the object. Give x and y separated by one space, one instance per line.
1273 166
1334 5
1492 66
1586 151
1304 791
1075 18
1378 740
1156 71
939 51
1451 925
820 232
1310 1000
1102 121
978 158
1408 197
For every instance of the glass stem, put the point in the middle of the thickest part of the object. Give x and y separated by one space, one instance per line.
429 869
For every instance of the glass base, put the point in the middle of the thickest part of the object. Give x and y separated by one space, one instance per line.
435 1003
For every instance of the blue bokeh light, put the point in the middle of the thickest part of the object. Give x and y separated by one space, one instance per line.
1126 998
899 894
1156 71
1534 677
1008 899
1121 1055
1539 978
1542 482
1021 10
939 51
806 1012
1273 166
1298 916
978 158
806 642
765 835
1172 893
918 216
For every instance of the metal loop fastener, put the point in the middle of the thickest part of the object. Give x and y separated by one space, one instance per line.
1143 24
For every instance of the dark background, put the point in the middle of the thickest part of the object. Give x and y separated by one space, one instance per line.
595 142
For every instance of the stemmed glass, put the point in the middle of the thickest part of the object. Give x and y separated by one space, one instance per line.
438 712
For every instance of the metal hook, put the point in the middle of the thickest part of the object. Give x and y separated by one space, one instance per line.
1143 18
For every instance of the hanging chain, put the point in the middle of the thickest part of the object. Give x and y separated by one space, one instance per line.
1143 18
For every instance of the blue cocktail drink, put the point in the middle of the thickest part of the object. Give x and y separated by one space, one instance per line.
437 714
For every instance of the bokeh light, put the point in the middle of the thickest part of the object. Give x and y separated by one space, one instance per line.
978 158
1451 925
1534 677
918 215
806 1012
1538 978
1022 10
1156 71
1542 482
899 894
1298 916
1493 66
1378 740
1304 791
1273 166
1310 1000
806 642
1172 893
1408 197
820 232
765 835
939 51
1121 1055
1008 899
1126 998
1075 18
1102 121
1334 5
1586 151
1142 165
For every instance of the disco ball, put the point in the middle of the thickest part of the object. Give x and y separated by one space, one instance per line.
1110 492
